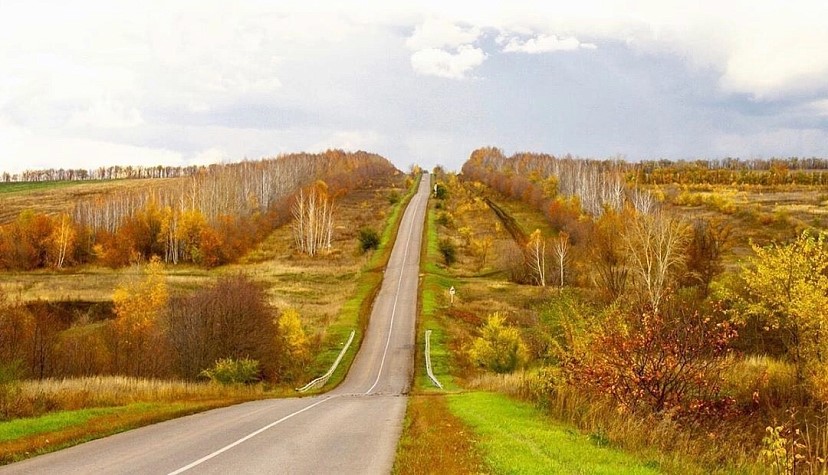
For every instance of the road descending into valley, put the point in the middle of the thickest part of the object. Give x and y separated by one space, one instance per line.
352 429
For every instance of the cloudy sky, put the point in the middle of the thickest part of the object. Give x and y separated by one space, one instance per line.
89 83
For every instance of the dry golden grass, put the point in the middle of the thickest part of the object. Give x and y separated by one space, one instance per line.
435 440
758 214
61 196
107 391
36 397
91 283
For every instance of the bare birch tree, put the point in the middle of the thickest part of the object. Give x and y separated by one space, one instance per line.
561 249
536 249
642 201
313 219
63 237
656 249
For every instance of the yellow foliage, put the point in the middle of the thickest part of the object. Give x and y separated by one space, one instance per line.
788 290
290 326
499 348
142 302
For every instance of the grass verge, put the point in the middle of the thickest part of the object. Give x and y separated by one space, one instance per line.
24 438
434 285
515 437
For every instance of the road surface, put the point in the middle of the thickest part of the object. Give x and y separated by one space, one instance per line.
352 429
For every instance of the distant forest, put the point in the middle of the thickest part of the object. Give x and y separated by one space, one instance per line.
645 168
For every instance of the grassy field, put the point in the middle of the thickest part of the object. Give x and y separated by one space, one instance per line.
25 187
333 295
54 197
759 214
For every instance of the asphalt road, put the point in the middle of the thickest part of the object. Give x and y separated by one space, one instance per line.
352 429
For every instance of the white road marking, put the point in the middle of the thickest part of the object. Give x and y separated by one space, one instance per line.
397 295
246 438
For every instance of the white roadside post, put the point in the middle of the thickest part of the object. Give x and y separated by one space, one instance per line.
451 294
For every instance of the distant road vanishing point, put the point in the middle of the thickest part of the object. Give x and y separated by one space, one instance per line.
352 429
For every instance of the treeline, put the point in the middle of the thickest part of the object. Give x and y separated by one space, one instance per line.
539 179
600 183
155 334
208 219
115 172
774 172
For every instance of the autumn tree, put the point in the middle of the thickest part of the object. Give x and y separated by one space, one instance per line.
230 319
139 304
62 240
46 329
608 256
296 344
17 328
480 247
82 351
26 241
707 243
655 361
189 233
787 286
499 347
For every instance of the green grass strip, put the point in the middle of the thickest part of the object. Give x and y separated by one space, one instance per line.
434 284
516 438
25 187
57 421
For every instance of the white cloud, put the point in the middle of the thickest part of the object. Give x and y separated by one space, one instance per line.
819 107
211 155
434 33
545 44
348 140
445 49
23 149
442 63
106 114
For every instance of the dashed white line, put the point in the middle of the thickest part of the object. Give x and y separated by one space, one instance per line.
397 295
247 437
